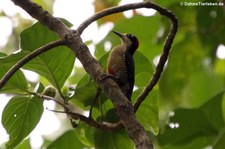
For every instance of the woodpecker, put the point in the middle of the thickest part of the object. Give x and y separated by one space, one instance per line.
120 63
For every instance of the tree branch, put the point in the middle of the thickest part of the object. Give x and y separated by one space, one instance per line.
163 57
43 16
27 58
166 48
117 9
74 42
76 116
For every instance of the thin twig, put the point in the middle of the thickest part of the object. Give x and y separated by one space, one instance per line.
163 57
51 98
76 116
98 92
118 9
27 58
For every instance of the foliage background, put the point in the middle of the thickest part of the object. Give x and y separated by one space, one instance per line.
186 108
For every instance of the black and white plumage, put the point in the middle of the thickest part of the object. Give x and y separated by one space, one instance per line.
121 63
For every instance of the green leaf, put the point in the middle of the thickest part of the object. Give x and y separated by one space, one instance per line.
2 54
85 93
145 30
143 69
187 72
24 145
112 140
85 133
79 73
220 143
47 5
185 126
214 112
210 25
194 91
148 112
19 118
197 143
56 64
66 141
188 124
110 115
142 64
17 83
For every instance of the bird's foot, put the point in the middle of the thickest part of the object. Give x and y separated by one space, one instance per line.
115 78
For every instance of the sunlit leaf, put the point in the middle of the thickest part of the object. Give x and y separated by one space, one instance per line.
56 64
47 5
100 5
19 118
24 145
17 83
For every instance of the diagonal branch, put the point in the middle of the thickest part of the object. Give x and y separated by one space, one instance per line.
37 12
166 48
74 42
27 58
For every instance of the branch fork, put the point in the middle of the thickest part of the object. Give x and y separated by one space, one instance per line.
72 39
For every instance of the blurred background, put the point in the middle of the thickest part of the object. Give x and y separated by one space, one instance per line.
194 74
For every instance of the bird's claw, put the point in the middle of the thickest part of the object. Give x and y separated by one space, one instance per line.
115 78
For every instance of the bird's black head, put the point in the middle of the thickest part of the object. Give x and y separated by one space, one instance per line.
134 41
129 40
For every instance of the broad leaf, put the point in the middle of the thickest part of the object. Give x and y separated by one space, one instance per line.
85 133
17 83
86 88
197 143
148 112
85 92
188 124
2 54
206 21
24 145
19 118
220 143
143 69
68 140
145 30
112 140
56 64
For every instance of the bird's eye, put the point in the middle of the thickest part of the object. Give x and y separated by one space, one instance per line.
130 36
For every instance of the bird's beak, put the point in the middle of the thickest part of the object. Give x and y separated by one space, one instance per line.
118 34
